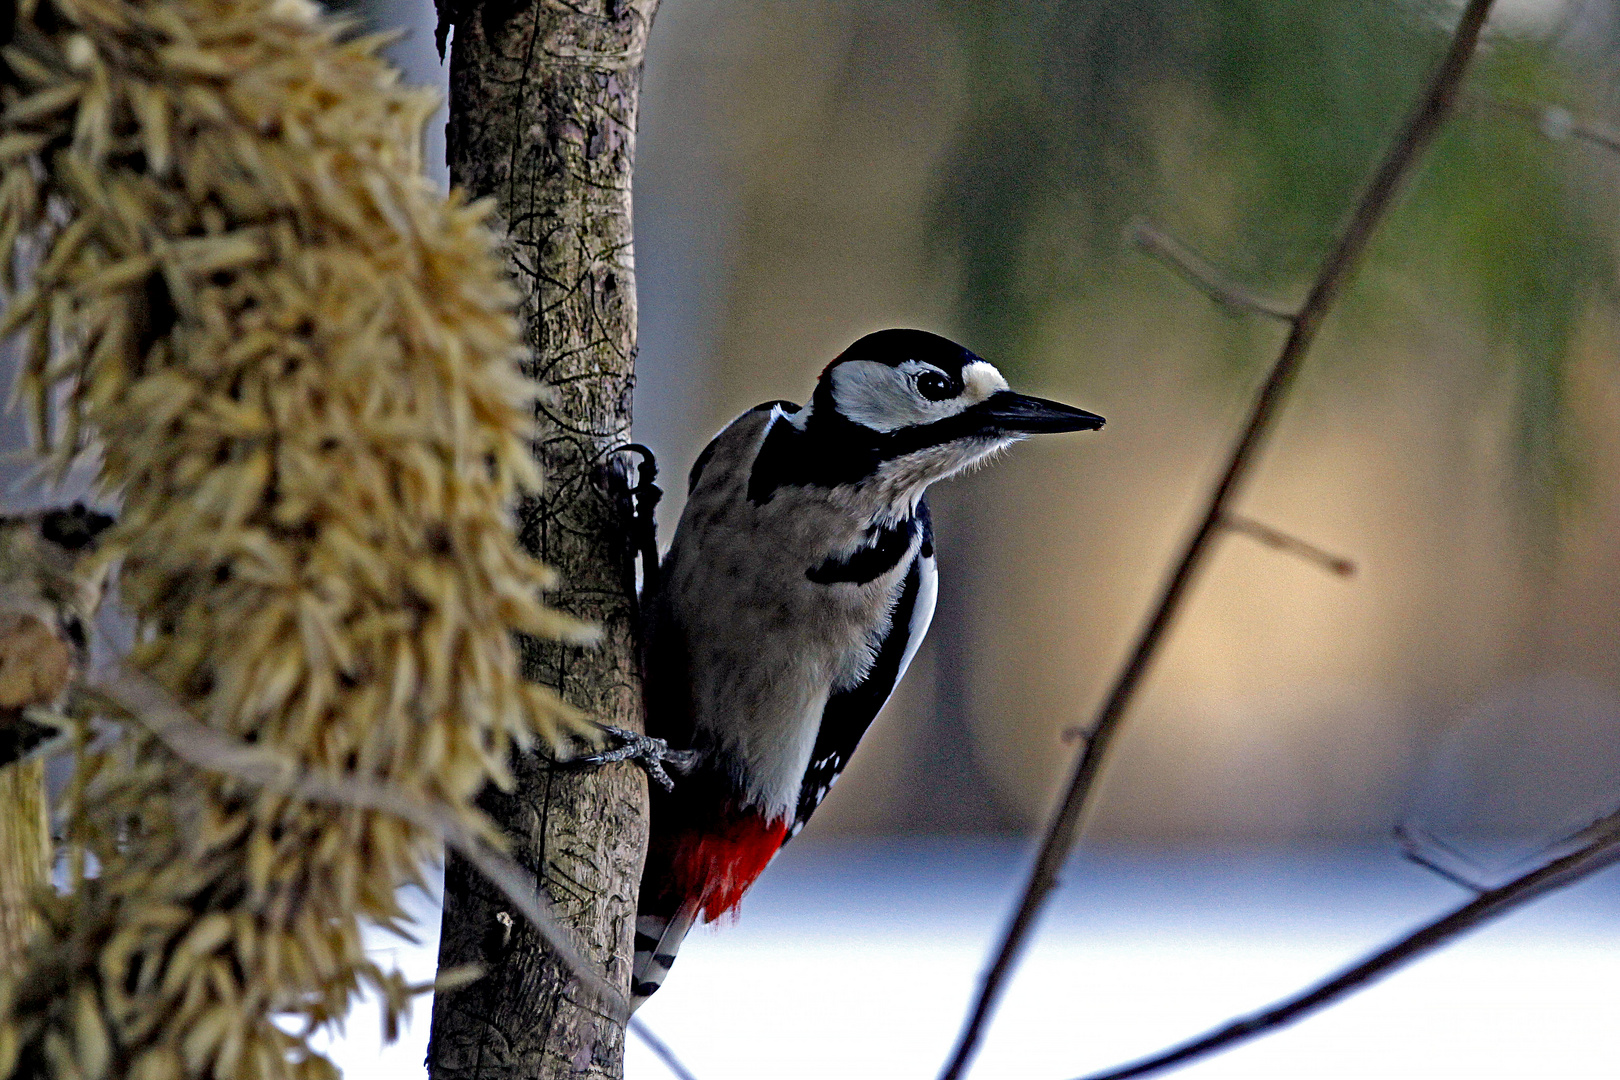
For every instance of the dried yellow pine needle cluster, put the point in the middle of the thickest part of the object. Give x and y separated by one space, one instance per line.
298 361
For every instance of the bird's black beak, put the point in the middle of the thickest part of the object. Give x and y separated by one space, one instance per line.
1015 414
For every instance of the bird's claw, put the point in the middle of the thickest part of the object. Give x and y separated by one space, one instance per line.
651 753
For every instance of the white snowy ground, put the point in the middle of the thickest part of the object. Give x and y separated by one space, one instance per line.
857 959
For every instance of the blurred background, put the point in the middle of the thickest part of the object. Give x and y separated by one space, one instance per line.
815 170
812 170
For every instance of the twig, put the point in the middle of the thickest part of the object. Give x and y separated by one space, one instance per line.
1202 274
1276 538
1554 121
1598 854
1416 845
1064 826
214 750
661 1048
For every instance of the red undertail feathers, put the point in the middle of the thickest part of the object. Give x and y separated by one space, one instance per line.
714 867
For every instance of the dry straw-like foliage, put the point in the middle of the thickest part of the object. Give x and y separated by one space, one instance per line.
298 362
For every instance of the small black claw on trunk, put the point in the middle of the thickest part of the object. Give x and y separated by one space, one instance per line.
650 753
643 526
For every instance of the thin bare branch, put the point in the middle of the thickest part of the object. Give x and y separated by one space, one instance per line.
1419 847
1276 538
661 1048
1599 853
209 748
1064 827
1203 275
1554 121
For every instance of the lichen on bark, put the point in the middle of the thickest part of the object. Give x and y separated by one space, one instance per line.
543 100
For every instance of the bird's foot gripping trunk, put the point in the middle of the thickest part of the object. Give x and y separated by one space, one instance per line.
652 754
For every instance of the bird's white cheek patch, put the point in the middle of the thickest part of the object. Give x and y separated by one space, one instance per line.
885 399
874 395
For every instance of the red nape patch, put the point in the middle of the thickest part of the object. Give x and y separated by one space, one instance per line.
716 867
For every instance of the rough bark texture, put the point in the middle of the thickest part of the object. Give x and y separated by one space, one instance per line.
543 102
25 852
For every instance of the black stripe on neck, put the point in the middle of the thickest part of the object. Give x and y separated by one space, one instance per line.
889 545
830 451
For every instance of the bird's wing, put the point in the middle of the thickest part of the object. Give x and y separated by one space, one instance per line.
708 451
850 712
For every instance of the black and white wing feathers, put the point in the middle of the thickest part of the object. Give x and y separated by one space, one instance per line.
850 712
692 478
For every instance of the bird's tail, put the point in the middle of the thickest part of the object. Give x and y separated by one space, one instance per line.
658 939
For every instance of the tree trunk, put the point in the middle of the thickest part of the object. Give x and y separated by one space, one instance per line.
543 103
25 852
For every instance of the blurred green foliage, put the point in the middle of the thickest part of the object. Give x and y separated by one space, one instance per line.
1074 107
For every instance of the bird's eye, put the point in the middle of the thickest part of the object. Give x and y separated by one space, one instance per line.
934 386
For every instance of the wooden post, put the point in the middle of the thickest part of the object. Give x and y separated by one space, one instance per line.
543 101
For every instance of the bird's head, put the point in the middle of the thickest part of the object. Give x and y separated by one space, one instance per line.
927 408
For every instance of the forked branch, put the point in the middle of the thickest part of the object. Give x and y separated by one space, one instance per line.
1064 827
1293 545
1555 122
1600 851
1204 277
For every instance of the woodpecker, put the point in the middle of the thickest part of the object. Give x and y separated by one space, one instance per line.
795 593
